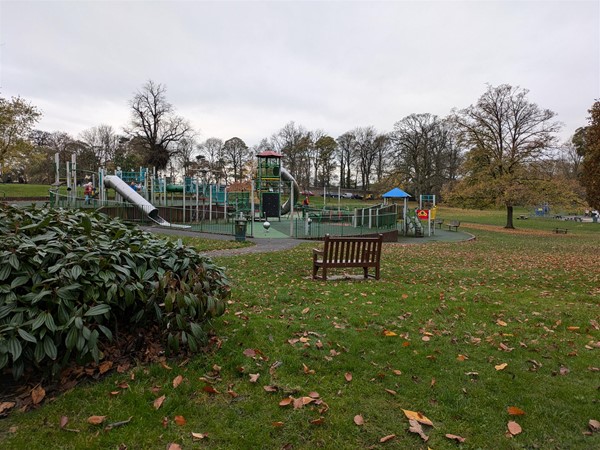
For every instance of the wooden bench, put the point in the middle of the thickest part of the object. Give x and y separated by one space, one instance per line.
453 224
438 222
339 252
561 230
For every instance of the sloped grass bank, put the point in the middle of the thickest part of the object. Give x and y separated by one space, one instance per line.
458 332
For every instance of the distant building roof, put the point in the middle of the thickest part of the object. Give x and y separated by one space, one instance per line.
396 193
267 153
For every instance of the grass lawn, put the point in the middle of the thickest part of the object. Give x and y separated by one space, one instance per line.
458 332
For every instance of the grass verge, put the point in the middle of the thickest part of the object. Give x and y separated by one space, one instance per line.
459 332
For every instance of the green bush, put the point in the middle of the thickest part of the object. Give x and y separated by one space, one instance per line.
69 278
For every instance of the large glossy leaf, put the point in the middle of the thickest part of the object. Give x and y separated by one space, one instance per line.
98 310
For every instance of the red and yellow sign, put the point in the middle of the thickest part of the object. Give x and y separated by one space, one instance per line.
423 214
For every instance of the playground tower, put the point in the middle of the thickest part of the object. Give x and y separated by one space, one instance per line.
268 183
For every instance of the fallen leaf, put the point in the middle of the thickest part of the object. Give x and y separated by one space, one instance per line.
233 394
319 421
105 366
389 333
514 411
594 425
180 420
199 436
348 377
298 403
64 420
270 388
563 370
96 420
433 381
177 381
397 372
165 422
405 344
390 391
173 446
314 394
159 401
455 437
425 338
37 394
305 310
501 366
286 401
413 415
211 390
254 377
358 420
502 323
307 370
389 437
250 352
462 357
415 427
514 428
165 366
277 424
572 328
5 406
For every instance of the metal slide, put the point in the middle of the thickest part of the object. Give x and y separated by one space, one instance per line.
285 175
129 194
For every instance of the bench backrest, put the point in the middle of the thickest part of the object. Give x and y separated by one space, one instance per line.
365 249
454 223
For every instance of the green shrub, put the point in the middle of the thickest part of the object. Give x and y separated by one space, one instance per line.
68 278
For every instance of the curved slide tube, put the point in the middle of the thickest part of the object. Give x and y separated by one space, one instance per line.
129 194
285 175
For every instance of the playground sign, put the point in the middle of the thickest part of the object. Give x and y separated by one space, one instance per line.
423 214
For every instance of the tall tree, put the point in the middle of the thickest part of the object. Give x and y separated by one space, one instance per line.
366 153
426 155
17 118
506 134
236 155
324 160
104 142
294 143
153 120
346 155
591 159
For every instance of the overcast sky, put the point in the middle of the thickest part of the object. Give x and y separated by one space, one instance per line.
247 68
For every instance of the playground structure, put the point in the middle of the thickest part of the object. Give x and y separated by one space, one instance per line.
143 196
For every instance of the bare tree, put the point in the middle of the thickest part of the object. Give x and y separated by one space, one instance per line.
236 155
104 142
346 154
294 143
153 120
506 134
366 153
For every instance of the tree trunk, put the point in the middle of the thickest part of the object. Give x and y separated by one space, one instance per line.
509 217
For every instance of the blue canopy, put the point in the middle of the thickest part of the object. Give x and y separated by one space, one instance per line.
396 193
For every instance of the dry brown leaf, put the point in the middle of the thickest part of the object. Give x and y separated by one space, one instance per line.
180 420
96 420
305 310
298 403
389 437
388 333
319 421
159 401
164 366
501 366
173 446
514 411
254 377
358 420
594 425
413 415
277 424
415 427
232 393
462 357
307 400
199 436
37 394
270 388
563 370
314 394
177 381
250 352
286 401
390 391
105 366
211 390
64 420
455 437
5 406
307 370
348 376
572 328
514 428
502 323
397 372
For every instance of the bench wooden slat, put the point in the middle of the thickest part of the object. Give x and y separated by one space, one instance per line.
339 252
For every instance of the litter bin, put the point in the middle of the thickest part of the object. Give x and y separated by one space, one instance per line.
240 228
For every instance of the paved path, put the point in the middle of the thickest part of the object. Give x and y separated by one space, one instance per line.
261 245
